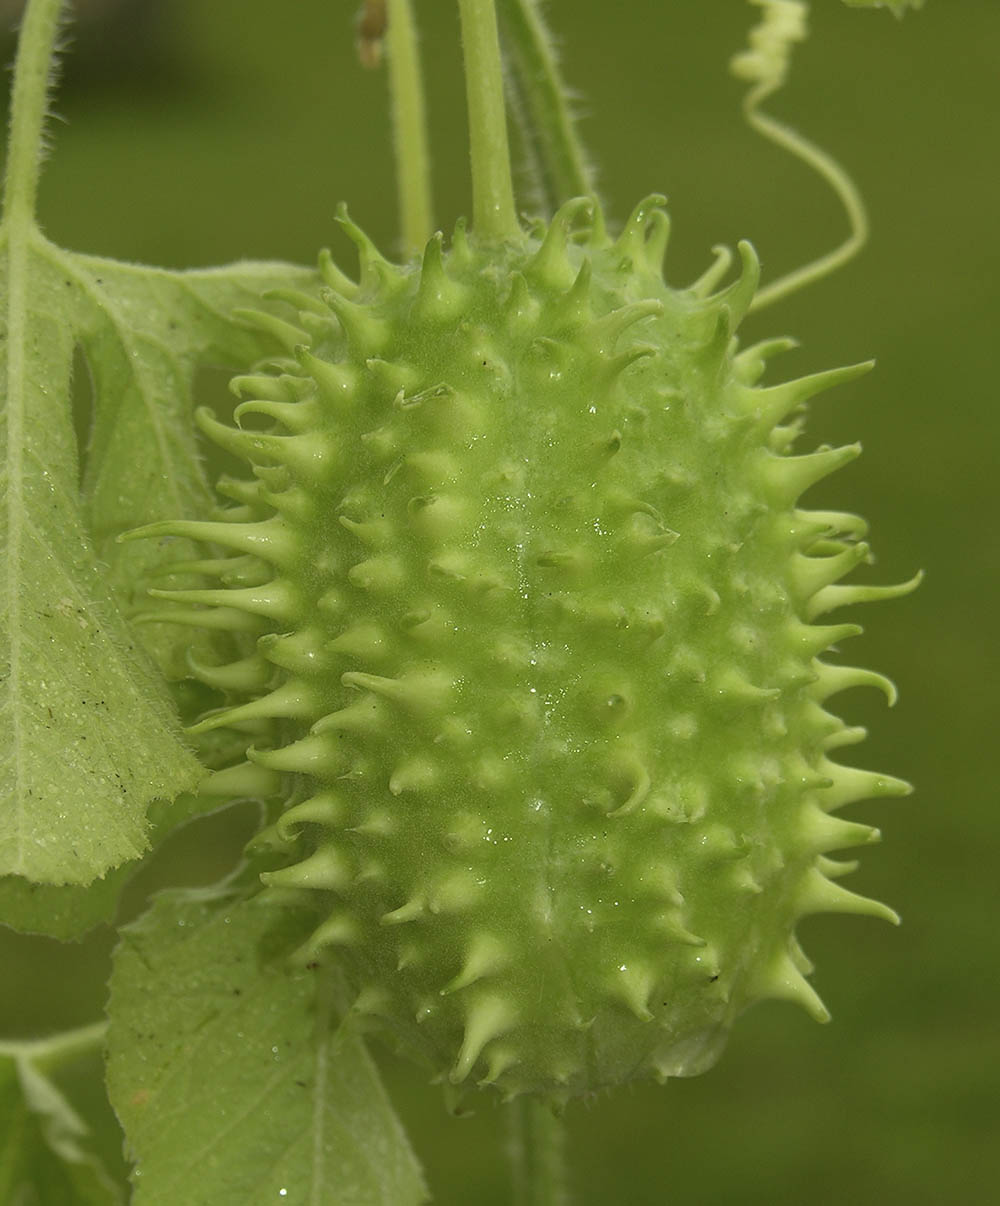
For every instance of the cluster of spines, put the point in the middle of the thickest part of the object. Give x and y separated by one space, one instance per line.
299 454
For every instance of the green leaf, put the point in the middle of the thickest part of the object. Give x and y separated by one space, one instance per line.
88 733
232 1085
89 736
70 911
46 1152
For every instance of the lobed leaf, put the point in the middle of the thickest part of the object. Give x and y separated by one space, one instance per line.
231 1084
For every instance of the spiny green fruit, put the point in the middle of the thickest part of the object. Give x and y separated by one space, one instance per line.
535 610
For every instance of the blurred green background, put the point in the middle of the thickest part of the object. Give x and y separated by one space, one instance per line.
201 131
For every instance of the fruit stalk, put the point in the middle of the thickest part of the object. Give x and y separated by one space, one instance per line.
494 214
413 180
537 1153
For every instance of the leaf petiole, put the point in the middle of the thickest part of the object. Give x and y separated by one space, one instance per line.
29 101
539 105
536 1139
413 175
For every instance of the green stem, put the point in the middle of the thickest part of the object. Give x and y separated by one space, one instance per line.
58 1048
546 124
32 76
493 213
413 173
537 1151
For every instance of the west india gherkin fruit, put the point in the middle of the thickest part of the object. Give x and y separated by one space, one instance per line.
537 622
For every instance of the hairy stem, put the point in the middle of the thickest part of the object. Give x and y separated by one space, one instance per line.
539 103
413 172
493 212
29 97
537 1151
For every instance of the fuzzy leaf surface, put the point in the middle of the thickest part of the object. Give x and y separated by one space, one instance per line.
232 1085
46 1154
88 735
69 911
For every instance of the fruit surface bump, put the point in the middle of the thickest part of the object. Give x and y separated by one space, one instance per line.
539 650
